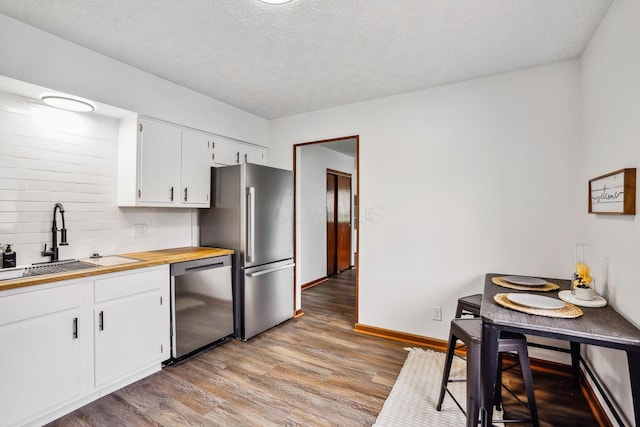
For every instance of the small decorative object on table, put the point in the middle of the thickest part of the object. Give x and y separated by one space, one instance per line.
582 284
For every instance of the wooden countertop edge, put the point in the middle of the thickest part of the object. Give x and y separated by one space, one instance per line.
147 259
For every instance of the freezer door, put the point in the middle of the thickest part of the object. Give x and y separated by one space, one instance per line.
269 215
268 297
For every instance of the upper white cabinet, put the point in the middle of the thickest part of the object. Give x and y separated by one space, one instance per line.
166 165
197 159
159 152
162 164
229 152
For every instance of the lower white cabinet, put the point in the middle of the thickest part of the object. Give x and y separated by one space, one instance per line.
67 343
127 322
40 352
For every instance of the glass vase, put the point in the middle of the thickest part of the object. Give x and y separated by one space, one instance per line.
581 273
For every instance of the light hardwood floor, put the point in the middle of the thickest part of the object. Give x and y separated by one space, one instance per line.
309 371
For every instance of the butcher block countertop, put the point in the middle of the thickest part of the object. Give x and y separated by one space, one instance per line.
138 260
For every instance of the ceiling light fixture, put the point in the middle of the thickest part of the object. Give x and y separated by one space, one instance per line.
67 103
275 1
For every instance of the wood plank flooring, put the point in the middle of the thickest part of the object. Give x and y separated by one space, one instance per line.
310 371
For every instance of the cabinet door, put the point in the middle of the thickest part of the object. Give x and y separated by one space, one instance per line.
229 152
196 169
127 336
254 154
226 152
39 365
159 174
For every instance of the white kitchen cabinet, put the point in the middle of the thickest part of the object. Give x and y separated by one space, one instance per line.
55 353
159 146
160 163
130 329
230 152
40 351
197 159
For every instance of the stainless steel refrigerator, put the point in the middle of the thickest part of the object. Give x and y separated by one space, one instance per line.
252 213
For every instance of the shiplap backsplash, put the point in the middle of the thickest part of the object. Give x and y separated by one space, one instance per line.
49 155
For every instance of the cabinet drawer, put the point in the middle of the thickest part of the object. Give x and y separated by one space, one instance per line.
14 308
130 284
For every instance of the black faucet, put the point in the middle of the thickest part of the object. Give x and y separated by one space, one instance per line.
53 252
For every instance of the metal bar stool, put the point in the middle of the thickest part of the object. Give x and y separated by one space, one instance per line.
469 305
469 331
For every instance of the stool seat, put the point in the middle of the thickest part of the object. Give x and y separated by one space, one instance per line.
469 331
469 305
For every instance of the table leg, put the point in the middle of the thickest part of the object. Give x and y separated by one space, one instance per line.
489 361
575 362
633 360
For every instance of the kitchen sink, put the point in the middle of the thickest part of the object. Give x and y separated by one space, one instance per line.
65 266
45 268
56 267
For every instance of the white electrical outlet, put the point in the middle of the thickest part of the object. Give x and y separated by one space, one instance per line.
140 230
436 312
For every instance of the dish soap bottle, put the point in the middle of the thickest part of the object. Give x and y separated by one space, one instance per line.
8 258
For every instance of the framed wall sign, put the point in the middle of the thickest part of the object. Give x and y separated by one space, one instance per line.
614 193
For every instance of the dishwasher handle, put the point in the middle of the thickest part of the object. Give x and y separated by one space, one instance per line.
204 267
202 264
271 270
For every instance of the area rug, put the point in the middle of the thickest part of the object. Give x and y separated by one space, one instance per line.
413 398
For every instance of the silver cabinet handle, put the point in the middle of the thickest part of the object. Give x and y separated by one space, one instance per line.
271 270
251 223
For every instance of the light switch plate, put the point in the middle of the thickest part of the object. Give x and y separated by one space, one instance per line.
437 312
139 230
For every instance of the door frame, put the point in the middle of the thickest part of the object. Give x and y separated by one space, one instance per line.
356 213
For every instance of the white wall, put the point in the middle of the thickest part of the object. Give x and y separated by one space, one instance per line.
458 181
610 130
311 257
49 155
30 184
37 57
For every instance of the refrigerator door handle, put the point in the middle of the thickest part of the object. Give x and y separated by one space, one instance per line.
251 210
271 270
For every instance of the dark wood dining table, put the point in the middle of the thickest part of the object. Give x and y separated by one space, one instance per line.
603 327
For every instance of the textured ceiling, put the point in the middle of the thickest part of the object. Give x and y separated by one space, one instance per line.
307 55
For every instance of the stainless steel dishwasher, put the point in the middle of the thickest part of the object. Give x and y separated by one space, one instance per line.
201 304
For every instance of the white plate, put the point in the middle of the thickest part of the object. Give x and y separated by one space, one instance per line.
535 301
567 296
525 281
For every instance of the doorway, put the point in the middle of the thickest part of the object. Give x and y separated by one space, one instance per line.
338 221
313 164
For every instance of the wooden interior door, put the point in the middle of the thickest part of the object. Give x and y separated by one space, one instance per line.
332 259
343 214
338 222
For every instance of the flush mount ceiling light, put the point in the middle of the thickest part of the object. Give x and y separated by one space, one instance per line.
275 1
67 103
